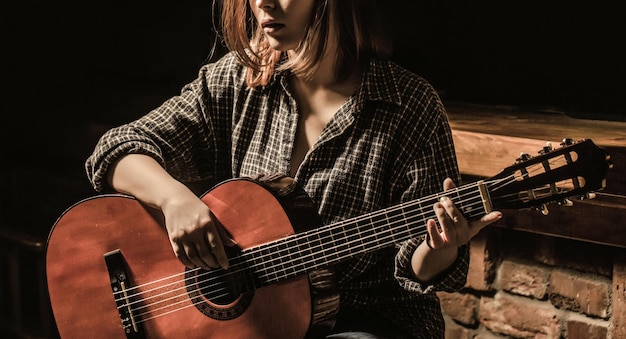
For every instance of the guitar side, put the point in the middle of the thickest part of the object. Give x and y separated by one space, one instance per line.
79 284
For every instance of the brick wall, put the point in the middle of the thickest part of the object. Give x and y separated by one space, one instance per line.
525 285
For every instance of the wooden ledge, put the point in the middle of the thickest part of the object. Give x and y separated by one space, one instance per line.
488 139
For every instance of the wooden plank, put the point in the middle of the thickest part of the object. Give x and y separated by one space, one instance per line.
488 139
543 126
484 155
595 221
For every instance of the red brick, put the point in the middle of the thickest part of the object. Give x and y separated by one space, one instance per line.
579 292
580 327
523 279
618 307
575 255
481 263
520 317
456 331
484 334
461 307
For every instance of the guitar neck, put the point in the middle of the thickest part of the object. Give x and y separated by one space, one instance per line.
327 245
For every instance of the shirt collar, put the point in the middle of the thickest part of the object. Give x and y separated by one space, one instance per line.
379 82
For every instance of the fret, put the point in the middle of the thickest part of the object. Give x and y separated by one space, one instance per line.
285 253
368 234
354 238
263 265
411 220
327 245
300 256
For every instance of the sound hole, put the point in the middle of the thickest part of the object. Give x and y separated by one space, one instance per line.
218 294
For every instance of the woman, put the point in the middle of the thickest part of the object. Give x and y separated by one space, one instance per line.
308 93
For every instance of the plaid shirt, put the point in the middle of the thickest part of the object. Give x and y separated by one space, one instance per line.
390 142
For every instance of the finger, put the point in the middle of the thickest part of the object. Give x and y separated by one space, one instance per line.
205 255
180 253
491 217
487 219
217 246
192 254
443 218
453 213
436 240
448 184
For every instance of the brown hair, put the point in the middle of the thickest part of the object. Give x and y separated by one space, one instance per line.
359 35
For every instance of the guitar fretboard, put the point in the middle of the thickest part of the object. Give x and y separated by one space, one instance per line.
327 245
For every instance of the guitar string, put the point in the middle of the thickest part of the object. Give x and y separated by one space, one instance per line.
266 247
161 301
373 233
492 183
537 168
171 310
552 164
198 289
142 316
206 272
421 231
363 239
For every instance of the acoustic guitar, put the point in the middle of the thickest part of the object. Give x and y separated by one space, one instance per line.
111 271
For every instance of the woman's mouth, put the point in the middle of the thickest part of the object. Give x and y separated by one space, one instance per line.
271 26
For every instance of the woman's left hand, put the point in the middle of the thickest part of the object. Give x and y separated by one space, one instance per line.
454 230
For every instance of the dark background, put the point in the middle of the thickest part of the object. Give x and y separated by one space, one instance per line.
72 70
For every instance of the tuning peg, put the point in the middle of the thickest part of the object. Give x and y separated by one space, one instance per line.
566 202
567 142
547 148
522 157
543 209
587 196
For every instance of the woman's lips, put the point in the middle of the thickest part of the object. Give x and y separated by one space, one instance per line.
271 26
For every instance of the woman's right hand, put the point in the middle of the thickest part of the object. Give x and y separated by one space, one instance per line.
196 237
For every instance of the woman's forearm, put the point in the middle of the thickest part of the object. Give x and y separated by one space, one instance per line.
144 178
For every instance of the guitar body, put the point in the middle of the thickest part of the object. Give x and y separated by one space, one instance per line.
80 286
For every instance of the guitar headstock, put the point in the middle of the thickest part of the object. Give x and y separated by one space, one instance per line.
576 169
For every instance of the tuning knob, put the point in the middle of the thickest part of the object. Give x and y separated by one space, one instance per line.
543 209
567 142
522 157
566 202
547 148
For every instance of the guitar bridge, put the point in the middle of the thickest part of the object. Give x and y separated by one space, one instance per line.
124 300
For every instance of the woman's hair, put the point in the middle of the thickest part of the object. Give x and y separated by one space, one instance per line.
355 23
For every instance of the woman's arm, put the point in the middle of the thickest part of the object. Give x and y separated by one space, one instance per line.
194 235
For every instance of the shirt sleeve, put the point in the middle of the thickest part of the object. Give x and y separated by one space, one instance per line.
450 280
181 134
433 163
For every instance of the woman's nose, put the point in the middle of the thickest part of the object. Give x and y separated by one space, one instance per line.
265 4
